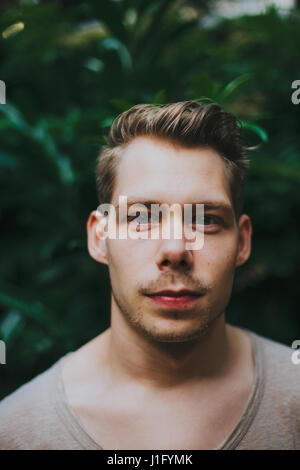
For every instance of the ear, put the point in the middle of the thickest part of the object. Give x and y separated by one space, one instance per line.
245 234
96 237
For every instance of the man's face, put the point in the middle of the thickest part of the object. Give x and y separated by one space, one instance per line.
157 170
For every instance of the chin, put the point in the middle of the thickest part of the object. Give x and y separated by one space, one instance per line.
174 333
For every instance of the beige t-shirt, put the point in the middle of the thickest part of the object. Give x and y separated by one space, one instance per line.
38 416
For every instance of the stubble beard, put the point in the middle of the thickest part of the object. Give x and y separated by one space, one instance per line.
136 318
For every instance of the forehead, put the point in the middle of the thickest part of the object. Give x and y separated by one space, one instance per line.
153 168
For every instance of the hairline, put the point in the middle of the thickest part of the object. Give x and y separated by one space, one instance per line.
119 150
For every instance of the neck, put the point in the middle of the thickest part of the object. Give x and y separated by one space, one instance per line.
165 364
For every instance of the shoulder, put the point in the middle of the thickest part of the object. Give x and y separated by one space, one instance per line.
281 366
279 358
29 410
279 411
277 355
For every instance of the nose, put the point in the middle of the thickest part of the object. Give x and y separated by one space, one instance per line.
174 255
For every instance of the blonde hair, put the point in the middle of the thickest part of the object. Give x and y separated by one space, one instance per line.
189 123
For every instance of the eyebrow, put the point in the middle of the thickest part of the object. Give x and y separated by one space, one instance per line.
210 205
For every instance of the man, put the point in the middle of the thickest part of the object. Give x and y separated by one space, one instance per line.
169 373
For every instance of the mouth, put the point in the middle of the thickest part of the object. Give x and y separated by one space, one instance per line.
181 299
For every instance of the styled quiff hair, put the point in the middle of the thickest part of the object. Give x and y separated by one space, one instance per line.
188 123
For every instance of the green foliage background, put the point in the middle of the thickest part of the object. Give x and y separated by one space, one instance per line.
69 70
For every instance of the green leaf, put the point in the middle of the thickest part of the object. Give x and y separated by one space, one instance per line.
94 64
116 45
159 97
107 122
33 310
121 104
255 128
63 162
12 324
233 86
15 117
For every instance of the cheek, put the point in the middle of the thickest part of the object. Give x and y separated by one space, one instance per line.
127 259
118 255
219 256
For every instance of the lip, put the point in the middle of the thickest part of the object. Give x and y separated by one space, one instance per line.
175 293
180 299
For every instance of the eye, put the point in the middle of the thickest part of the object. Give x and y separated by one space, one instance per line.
207 220
141 218
211 218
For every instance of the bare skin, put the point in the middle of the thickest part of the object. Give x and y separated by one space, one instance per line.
120 413
160 379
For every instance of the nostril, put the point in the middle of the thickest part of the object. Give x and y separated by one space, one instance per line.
181 263
166 263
